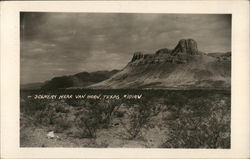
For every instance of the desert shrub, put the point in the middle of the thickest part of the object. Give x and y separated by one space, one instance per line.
200 126
44 112
62 123
107 110
138 119
175 102
193 133
94 115
76 102
46 116
103 110
199 107
119 114
61 107
87 124
29 106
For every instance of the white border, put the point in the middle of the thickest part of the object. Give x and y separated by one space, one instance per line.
10 77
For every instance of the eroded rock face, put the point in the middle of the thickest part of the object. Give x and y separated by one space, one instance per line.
184 48
166 68
188 46
163 51
137 55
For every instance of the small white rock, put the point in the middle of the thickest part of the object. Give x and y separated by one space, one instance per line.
51 135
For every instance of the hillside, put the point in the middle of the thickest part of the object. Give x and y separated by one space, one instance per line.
31 86
77 80
182 67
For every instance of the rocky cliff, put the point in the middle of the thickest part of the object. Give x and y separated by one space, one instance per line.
182 67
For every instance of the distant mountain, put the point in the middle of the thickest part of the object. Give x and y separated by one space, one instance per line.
82 79
32 86
182 67
221 56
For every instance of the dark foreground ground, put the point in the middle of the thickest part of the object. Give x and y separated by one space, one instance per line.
153 119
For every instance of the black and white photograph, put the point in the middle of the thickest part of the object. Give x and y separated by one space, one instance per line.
125 80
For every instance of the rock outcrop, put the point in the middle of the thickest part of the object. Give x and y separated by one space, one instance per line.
188 46
183 67
181 54
163 51
137 56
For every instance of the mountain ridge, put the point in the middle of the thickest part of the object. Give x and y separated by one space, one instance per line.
182 67
81 79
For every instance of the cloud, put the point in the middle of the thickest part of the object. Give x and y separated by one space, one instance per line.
64 43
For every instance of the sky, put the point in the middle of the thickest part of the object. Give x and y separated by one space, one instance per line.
56 44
